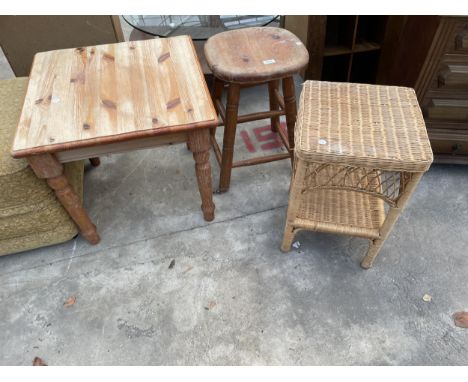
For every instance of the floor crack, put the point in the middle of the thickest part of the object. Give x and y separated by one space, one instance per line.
123 245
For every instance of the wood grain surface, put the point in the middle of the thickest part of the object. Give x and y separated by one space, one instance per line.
255 54
104 94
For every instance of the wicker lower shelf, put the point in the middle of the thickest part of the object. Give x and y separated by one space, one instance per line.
341 211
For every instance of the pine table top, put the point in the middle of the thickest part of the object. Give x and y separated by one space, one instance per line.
87 96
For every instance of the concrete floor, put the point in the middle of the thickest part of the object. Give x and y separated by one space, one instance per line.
232 297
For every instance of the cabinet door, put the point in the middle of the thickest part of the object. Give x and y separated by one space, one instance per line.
312 31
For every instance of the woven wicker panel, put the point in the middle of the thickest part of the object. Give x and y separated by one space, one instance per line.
337 210
387 185
362 125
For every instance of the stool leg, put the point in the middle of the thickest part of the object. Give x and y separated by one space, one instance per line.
294 203
392 216
275 121
216 94
229 136
289 94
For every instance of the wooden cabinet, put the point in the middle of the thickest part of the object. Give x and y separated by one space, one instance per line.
435 49
427 53
341 48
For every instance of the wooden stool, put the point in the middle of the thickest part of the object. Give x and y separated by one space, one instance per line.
357 148
249 57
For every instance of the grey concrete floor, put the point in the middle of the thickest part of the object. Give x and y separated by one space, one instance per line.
232 297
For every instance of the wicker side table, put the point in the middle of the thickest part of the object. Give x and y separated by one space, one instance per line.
357 148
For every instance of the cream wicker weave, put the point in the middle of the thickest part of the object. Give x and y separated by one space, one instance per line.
357 148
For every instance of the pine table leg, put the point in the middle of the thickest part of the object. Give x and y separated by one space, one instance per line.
47 167
200 144
216 94
95 161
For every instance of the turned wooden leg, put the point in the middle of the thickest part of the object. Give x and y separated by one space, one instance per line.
95 161
216 94
229 136
47 167
200 145
274 105
289 94
390 220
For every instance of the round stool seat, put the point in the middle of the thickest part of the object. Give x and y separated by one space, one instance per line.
255 54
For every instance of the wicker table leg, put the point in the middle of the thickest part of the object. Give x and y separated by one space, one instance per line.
200 145
48 167
293 205
392 216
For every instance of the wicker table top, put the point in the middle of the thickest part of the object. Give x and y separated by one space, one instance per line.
362 125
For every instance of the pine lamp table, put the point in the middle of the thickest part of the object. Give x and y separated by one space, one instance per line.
86 102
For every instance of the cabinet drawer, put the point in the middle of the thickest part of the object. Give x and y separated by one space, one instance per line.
447 109
452 147
447 141
435 127
453 76
461 41
458 41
